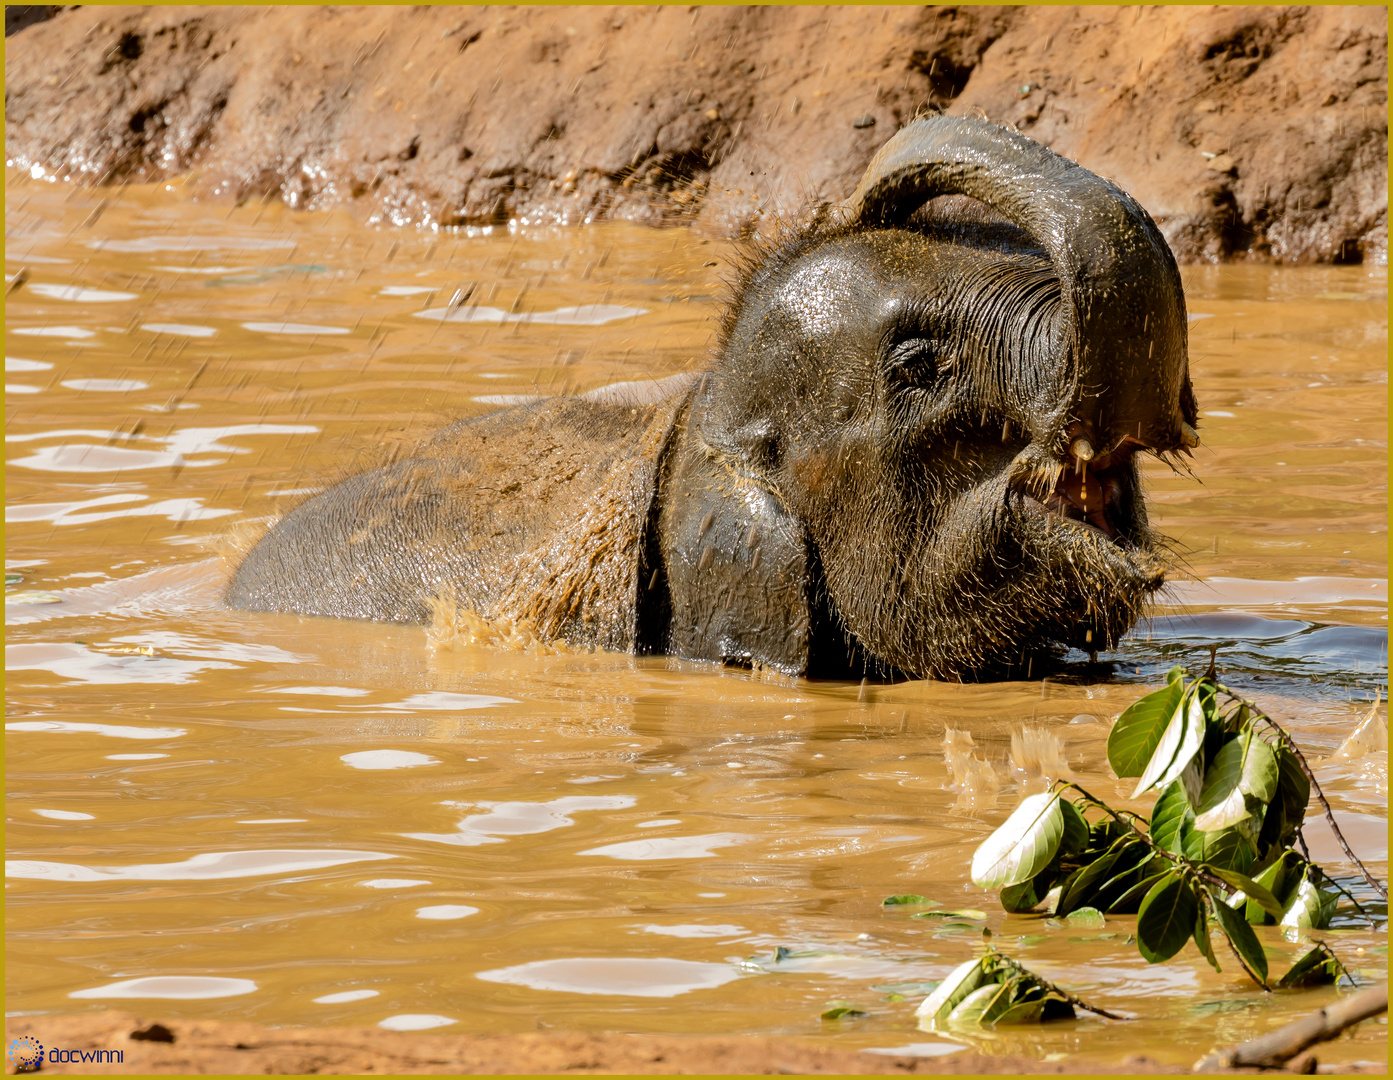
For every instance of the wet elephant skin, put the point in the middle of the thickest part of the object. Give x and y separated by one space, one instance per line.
914 452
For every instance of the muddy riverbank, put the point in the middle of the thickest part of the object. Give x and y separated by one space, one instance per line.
1249 132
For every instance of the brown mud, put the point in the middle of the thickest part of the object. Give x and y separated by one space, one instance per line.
1249 132
150 1046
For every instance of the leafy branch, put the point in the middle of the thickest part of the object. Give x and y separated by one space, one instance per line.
1219 846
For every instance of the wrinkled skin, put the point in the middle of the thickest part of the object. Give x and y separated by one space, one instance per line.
914 453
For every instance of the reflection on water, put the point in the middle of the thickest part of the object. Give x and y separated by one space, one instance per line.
205 804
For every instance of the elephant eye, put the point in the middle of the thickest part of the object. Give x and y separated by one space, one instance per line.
915 361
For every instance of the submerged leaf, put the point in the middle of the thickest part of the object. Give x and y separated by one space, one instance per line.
1166 919
905 899
1023 845
1134 738
1316 967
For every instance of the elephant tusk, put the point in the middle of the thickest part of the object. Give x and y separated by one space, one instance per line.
1188 435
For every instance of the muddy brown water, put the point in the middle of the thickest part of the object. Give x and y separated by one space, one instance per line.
302 821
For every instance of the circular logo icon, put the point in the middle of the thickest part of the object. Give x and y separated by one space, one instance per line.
26 1052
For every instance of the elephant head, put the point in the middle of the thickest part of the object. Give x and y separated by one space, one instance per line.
949 406
915 450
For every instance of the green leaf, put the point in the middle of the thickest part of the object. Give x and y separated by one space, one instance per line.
1169 816
1131 864
1075 836
843 1011
1022 846
1026 896
1132 898
906 898
1252 890
1309 908
1137 733
1202 942
1166 919
961 981
1087 917
1280 879
1316 967
1228 849
983 1005
952 913
1025 1012
1175 674
1240 935
1083 883
1221 801
1180 741
1244 766
1293 787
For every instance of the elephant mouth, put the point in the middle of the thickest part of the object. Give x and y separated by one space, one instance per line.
1090 494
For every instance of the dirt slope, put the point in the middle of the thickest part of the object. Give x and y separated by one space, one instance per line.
1246 130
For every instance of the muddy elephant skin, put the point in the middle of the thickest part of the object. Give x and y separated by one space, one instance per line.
913 453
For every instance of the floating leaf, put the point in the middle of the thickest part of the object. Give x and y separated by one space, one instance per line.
959 913
1241 936
961 981
1180 741
1086 916
1252 891
842 1010
1022 846
1166 919
1134 738
1316 967
1169 816
32 598
906 899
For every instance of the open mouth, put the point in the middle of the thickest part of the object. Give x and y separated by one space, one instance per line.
1085 489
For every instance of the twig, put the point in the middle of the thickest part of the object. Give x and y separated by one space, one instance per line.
1287 742
1277 1047
1179 860
1072 999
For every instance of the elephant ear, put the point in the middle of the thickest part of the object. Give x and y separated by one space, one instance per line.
1122 300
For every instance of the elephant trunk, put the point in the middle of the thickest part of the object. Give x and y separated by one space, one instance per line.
1125 374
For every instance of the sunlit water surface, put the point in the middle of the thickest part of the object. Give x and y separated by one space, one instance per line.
300 821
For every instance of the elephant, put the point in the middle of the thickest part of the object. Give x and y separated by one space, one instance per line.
912 453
